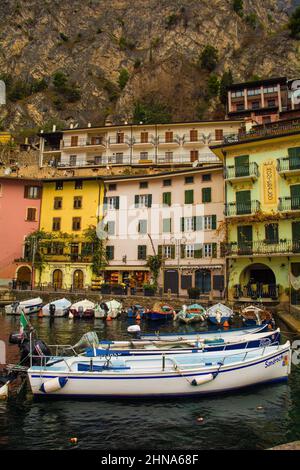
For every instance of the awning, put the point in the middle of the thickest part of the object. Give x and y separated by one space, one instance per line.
126 268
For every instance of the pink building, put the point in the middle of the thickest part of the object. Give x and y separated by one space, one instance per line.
176 214
20 201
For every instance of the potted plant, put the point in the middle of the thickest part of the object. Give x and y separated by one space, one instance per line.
149 290
118 289
194 292
105 288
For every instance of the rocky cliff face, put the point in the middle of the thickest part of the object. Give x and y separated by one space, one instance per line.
158 42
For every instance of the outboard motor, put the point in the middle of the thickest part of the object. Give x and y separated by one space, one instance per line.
39 348
52 309
14 306
16 338
80 311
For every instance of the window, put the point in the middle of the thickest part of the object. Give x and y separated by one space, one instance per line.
206 177
96 140
112 187
194 155
110 252
143 200
57 203
167 182
142 226
32 192
73 159
255 104
189 180
188 224
167 199
193 135
189 196
31 214
207 250
167 251
55 248
271 233
56 224
98 160
206 194
254 92
237 94
78 184
76 223
59 185
218 134
144 137
189 251
167 225
143 155
169 136
168 157
120 137
87 248
119 157
143 184
112 202
142 251
240 107
271 103
270 89
111 227
77 204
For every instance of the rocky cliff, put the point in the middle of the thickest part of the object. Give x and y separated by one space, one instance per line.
84 60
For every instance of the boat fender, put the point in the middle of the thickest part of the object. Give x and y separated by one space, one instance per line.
203 379
53 385
134 329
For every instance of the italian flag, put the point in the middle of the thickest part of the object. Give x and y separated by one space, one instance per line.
23 323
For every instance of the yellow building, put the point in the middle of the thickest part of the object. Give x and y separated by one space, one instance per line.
69 207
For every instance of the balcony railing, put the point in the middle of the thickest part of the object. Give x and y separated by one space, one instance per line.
288 164
250 170
263 247
245 208
273 129
291 203
257 291
83 143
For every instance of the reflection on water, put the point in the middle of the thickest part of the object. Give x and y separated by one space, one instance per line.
260 418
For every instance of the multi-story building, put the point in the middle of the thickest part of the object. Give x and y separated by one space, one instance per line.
262 210
19 216
178 215
142 145
70 206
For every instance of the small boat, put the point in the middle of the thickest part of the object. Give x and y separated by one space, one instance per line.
135 311
57 308
219 313
109 310
161 376
146 348
135 330
191 314
83 309
254 315
26 306
160 311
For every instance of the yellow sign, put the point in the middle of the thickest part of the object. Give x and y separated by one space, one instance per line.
269 183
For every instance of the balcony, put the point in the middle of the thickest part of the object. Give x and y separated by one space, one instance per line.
169 142
242 173
256 291
119 142
263 247
288 166
234 209
143 143
272 129
287 204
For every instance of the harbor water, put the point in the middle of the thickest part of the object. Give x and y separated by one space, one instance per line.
257 418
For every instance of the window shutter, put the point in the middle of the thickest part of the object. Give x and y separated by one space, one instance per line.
218 282
149 202
182 251
173 251
105 202
26 191
136 200
117 202
167 199
197 250
159 250
214 250
182 223
189 196
198 223
206 194
213 222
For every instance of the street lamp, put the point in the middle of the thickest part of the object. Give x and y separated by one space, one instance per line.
177 242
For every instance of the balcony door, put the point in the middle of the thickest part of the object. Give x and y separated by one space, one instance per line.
296 236
294 158
243 202
241 165
295 196
245 239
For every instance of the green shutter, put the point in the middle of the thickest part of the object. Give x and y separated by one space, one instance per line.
241 165
167 199
182 223
159 250
182 251
173 251
105 201
213 222
197 250
243 202
189 196
136 200
117 202
149 203
214 250
206 194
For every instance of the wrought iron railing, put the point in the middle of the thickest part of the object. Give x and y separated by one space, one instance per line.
257 291
242 171
288 164
242 208
266 247
291 203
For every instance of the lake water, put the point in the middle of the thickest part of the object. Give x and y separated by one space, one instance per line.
254 419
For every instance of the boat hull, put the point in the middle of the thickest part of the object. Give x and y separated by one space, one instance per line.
214 320
158 316
159 382
86 315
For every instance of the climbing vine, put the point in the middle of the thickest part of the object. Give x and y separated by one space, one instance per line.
97 250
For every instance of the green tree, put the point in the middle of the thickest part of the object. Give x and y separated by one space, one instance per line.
294 24
60 80
123 78
154 263
238 6
151 112
209 58
213 85
225 82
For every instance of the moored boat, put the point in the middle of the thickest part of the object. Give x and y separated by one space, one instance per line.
136 311
160 311
219 313
28 307
108 310
164 376
83 309
194 313
57 308
256 315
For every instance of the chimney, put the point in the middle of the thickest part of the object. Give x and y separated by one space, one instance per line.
54 128
71 126
89 124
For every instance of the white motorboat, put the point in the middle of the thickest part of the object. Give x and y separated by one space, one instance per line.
109 310
164 376
57 308
219 313
28 307
83 309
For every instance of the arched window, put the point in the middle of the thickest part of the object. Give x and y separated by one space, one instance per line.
57 279
78 279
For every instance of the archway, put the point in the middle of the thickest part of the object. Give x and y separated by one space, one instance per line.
78 279
24 276
258 280
57 279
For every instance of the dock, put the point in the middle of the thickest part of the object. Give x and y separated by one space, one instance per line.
289 320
